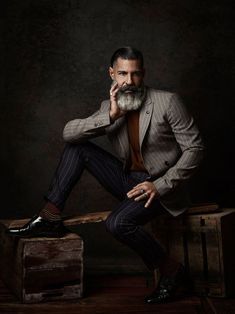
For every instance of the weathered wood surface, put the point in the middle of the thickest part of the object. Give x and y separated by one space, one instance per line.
203 208
111 294
87 218
72 221
203 244
40 269
101 216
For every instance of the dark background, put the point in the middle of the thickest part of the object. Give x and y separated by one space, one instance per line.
54 60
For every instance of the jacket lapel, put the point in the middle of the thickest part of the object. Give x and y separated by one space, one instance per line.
145 117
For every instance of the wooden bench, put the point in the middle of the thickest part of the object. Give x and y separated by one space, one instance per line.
101 216
41 269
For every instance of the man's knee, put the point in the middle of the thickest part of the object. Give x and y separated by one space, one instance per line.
77 148
119 227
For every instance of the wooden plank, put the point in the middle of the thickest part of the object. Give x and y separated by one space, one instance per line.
101 216
203 208
71 221
10 223
57 267
87 218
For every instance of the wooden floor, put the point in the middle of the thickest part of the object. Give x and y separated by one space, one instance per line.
116 294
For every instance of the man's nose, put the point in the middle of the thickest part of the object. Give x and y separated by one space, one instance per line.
129 80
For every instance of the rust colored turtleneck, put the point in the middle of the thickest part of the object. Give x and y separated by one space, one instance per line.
136 160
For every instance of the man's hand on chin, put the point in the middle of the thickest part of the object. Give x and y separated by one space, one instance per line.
115 111
144 191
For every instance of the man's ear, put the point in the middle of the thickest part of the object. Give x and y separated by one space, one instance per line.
111 73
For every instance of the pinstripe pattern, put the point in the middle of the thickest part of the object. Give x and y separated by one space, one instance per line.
126 221
170 142
75 158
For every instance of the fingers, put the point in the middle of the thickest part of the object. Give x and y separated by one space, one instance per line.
142 191
115 88
135 192
136 189
142 197
139 194
141 184
115 111
147 195
149 201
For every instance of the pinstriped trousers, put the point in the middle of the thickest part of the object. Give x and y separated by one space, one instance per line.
127 219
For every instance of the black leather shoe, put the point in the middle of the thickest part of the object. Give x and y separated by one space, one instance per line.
39 227
170 288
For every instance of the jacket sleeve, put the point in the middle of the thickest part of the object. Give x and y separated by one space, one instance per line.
79 130
188 137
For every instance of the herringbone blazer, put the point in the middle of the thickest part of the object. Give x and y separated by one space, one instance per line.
170 143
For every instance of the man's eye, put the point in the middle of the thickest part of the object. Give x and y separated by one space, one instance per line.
122 73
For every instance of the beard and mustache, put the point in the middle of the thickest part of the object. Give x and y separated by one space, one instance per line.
130 97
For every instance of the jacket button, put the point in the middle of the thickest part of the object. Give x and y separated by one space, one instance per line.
148 112
167 163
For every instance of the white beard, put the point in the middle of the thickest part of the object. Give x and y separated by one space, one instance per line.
131 101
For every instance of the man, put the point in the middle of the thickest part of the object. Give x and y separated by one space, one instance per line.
158 147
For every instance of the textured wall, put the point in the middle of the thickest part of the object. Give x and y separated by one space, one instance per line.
56 56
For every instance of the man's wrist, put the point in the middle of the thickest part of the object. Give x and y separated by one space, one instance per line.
113 116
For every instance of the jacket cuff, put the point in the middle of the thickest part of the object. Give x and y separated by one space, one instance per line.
162 186
102 120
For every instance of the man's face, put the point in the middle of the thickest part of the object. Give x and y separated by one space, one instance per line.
128 74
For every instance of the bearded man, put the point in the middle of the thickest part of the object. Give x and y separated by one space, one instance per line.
158 149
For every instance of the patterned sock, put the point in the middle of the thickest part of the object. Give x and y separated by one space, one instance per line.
50 212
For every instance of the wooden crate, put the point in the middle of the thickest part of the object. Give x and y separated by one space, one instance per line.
42 269
204 244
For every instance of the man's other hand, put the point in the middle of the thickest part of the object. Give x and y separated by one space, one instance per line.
144 191
115 111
